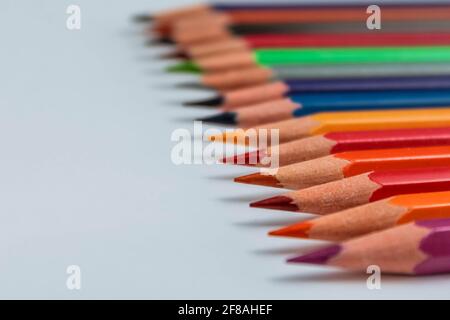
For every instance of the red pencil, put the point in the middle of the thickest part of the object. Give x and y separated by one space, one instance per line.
334 142
367 187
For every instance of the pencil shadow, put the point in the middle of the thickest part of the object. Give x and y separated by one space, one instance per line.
223 177
287 250
328 277
245 198
183 119
277 222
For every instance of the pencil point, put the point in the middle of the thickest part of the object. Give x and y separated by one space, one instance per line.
259 179
298 230
319 256
213 102
173 55
277 203
222 118
188 67
159 41
235 137
247 159
143 18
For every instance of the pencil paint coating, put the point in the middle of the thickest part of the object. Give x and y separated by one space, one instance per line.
436 246
409 181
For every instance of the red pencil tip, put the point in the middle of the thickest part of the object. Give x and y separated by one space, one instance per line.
319 256
246 159
298 230
260 180
277 203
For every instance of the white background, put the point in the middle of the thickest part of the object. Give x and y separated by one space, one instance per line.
86 177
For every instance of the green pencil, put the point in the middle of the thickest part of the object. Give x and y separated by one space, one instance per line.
317 56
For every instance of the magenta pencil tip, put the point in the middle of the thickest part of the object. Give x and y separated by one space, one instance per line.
320 256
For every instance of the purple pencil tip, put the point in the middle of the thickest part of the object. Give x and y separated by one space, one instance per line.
320 256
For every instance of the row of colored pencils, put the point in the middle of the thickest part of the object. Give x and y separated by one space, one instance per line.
363 118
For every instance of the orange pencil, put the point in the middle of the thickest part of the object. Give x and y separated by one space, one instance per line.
347 164
323 122
371 217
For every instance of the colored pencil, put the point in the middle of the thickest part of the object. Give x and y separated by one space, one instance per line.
361 189
257 75
416 248
170 16
214 26
279 89
258 41
324 122
303 104
347 164
313 56
371 217
334 142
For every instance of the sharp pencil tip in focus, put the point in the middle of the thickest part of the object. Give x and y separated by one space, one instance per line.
259 179
299 230
222 118
278 203
212 102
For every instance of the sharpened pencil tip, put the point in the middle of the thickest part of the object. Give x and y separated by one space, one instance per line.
235 137
184 67
298 230
319 256
247 159
173 55
158 41
222 118
277 203
143 18
212 102
260 180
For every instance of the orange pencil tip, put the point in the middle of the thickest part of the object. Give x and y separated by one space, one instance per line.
277 203
298 230
247 159
229 137
260 180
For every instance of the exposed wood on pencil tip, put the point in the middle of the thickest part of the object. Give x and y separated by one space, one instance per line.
211 102
259 179
277 203
299 230
222 118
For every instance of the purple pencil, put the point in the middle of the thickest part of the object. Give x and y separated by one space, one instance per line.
418 248
280 89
